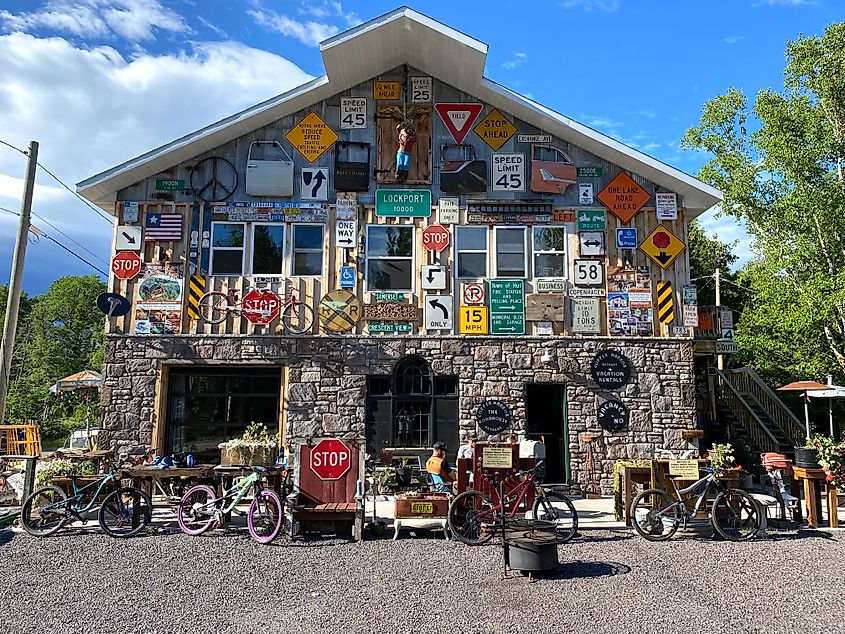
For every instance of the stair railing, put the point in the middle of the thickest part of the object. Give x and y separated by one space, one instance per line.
748 381
760 436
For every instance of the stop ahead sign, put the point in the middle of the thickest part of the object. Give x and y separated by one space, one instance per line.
435 238
261 306
126 265
330 459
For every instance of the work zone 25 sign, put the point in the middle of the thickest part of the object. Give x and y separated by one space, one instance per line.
508 172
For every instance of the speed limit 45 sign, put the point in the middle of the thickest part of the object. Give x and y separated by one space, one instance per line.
589 273
508 172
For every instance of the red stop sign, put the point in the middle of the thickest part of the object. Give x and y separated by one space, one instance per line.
330 459
261 306
435 238
126 265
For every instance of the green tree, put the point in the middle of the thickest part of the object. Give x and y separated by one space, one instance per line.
780 168
706 254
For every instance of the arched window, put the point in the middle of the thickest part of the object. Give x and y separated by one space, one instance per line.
411 408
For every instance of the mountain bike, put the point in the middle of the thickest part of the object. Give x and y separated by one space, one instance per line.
296 317
656 515
124 512
201 510
474 517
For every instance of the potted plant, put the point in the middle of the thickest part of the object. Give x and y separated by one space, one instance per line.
831 458
404 473
808 455
257 446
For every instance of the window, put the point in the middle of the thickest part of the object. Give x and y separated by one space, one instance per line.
510 251
390 258
471 248
307 250
268 249
227 248
549 251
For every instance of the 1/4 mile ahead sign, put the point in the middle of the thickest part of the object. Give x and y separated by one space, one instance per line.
507 307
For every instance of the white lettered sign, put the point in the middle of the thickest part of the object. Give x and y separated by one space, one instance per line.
508 172
353 113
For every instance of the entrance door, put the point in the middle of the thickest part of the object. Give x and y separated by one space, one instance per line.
545 415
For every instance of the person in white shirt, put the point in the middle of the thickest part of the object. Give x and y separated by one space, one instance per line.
467 448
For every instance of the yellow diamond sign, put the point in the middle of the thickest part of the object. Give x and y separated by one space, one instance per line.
311 137
662 246
495 129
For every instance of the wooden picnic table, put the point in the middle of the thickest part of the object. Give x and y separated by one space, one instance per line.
144 478
813 480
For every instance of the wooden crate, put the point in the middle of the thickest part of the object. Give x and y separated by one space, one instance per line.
422 505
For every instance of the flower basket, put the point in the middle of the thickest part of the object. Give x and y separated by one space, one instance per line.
241 455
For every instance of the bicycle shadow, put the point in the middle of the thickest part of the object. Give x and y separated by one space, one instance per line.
6 535
589 570
585 536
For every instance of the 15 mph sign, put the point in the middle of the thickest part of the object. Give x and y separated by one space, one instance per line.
330 459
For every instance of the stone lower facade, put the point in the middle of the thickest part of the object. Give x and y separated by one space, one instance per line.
324 392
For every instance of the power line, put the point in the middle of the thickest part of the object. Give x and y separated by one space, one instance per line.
13 147
50 224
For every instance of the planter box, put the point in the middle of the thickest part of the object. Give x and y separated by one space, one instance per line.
807 458
259 456
424 505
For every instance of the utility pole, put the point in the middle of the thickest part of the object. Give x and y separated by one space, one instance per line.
13 304
720 359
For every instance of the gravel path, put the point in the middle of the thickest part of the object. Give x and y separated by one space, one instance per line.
609 582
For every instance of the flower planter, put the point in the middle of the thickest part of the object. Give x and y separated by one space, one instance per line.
404 476
246 456
807 458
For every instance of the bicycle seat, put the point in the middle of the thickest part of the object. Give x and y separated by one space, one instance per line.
672 476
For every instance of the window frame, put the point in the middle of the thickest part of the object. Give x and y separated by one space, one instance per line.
294 250
525 269
459 250
285 236
564 253
243 249
368 257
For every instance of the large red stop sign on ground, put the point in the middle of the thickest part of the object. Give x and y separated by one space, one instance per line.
261 306
330 459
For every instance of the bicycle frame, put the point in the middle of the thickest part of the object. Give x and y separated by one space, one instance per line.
69 504
238 491
705 484
522 486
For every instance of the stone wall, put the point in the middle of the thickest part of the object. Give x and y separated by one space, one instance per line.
327 383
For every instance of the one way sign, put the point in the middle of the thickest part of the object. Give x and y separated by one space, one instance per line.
344 233
438 312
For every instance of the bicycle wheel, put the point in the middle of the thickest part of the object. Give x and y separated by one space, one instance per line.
655 515
214 307
125 512
735 516
197 512
265 517
38 521
473 518
297 317
554 506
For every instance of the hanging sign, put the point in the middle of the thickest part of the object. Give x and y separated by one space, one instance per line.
586 292
438 312
493 417
508 172
591 242
624 197
473 293
665 302
420 89
435 238
610 369
130 211
353 113
433 277
169 184
585 193
458 118
447 211
662 246
260 306
589 272
533 138
507 307
314 183
613 416
666 206
591 220
347 277
585 315
346 206
311 137
127 238
472 320
691 316
626 238
387 90
495 129
393 327
403 203
340 310
126 265
550 286
344 233
589 171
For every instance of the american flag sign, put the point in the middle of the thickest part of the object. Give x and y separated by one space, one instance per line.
162 227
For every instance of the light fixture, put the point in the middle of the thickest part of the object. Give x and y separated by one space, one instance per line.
547 357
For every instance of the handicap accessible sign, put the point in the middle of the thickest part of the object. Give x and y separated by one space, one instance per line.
347 277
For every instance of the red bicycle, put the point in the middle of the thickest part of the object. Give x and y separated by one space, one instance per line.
295 316
474 518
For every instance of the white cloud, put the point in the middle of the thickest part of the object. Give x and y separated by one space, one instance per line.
91 109
328 9
600 123
517 60
133 20
310 33
786 3
733 39
588 5
728 229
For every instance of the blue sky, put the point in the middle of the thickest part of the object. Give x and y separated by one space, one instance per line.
97 82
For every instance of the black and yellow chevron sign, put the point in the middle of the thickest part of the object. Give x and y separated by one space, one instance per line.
196 289
665 303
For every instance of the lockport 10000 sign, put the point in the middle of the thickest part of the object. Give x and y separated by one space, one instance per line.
403 203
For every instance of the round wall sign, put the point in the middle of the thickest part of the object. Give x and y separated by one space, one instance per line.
610 369
613 416
339 311
494 417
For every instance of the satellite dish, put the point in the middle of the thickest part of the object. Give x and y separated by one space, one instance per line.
113 305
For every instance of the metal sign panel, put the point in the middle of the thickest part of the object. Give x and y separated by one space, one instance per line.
551 286
587 292
591 220
130 211
726 318
665 302
472 320
346 206
420 89
403 203
690 295
662 246
474 293
345 232
311 137
728 334
626 238
353 113
585 315
533 138
447 211
169 184
666 206
589 171
585 193
435 238
507 307
508 172
438 312
624 197
726 347
691 315
589 272
347 277
387 90
128 238
433 277
458 118
591 243
495 129
314 183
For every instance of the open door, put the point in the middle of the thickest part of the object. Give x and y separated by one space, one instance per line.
545 415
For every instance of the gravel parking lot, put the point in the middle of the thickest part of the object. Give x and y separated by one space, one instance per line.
608 582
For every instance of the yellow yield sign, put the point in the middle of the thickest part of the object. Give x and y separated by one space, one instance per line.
495 129
662 246
473 320
311 137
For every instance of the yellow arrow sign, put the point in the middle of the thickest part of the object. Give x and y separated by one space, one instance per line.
662 246
311 137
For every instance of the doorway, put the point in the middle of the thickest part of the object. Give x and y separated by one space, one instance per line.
545 415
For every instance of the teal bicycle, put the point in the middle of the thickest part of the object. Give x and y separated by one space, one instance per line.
201 510
124 512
